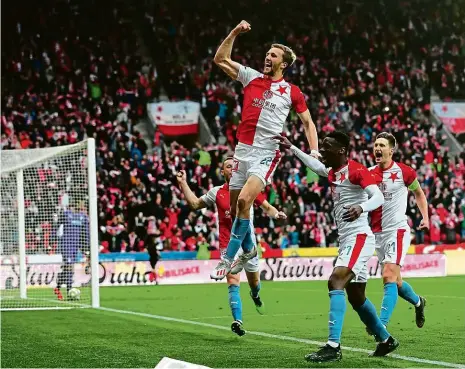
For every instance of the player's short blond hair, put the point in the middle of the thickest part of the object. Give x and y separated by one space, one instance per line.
289 56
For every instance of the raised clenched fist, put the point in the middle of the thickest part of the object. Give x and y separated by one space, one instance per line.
280 215
181 176
242 27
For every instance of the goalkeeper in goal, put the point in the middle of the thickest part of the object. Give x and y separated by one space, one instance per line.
73 236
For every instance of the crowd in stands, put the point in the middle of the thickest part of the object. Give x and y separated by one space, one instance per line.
364 67
72 72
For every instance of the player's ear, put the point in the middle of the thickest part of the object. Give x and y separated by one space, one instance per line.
283 65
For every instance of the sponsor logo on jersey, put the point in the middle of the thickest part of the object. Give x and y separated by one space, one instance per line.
263 104
387 196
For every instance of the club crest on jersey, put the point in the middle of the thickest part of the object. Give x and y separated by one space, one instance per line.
382 186
267 94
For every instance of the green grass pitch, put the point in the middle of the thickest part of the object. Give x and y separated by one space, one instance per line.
90 338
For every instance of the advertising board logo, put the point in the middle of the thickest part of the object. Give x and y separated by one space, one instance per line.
285 269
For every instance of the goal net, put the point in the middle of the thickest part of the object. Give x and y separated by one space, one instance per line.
48 234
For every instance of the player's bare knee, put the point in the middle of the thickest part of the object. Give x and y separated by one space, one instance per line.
389 274
253 284
335 282
233 280
243 203
389 279
253 278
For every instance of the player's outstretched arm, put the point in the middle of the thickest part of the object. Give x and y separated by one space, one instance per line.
422 203
272 212
314 164
310 131
223 54
194 202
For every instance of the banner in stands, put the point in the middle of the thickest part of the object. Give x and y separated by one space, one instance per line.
452 115
134 273
175 118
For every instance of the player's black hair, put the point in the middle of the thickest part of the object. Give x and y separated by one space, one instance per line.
341 138
389 137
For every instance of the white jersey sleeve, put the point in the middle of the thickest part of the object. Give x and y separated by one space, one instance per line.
375 198
246 75
210 197
314 164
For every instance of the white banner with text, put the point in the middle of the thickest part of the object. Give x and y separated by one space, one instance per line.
175 118
135 273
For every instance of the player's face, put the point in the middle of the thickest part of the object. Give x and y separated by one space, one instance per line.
331 152
274 62
382 150
227 170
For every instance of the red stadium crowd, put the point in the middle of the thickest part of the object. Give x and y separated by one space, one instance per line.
70 72
360 72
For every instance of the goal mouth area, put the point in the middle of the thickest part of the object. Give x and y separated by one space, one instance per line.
49 228
10 300
65 305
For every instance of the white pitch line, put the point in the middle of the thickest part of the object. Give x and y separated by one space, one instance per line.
213 317
282 338
258 316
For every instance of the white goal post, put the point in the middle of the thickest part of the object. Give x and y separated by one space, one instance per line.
49 228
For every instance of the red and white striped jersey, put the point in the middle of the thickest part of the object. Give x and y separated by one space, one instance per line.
393 183
219 196
348 188
265 108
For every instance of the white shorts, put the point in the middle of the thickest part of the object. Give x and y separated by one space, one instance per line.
392 246
249 160
354 252
251 266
